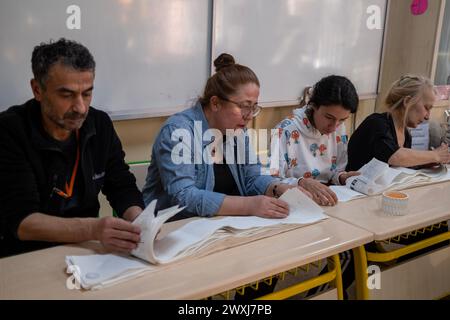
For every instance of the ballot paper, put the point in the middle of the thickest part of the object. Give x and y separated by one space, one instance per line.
197 238
345 194
377 177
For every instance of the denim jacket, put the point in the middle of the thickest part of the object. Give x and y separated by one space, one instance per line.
191 183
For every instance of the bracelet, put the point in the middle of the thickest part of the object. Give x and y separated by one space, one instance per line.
274 191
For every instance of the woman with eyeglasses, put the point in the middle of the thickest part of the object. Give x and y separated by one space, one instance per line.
309 149
201 158
385 136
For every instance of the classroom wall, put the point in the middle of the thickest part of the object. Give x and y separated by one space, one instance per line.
137 136
410 46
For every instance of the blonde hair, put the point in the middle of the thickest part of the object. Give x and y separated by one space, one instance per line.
409 85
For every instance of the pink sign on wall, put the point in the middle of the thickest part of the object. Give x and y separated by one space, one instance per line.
419 7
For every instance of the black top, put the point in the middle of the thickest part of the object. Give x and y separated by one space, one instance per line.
31 167
374 138
68 154
223 178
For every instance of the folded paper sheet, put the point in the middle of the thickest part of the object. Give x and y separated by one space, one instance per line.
199 237
377 177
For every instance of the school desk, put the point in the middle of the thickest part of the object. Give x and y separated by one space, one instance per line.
428 208
41 274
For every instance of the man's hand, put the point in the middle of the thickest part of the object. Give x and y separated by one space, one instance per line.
131 213
117 235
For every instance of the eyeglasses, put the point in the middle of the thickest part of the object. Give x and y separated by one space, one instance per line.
246 110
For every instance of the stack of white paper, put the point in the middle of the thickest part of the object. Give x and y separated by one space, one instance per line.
196 238
377 177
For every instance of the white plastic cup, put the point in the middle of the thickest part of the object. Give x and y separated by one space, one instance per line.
394 203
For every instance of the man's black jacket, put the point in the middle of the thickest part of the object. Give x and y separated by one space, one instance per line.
31 166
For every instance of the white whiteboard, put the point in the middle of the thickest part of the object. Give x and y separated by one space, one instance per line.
153 56
291 44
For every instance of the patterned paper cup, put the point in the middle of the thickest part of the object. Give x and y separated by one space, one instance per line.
395 203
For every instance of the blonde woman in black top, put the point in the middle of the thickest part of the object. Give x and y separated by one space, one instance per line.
385 136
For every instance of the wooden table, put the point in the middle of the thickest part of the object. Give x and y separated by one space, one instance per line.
41 274
428 205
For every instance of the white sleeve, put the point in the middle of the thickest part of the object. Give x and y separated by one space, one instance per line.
278 163
278 148
341 161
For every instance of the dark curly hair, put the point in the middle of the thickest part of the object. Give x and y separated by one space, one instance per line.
69 53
